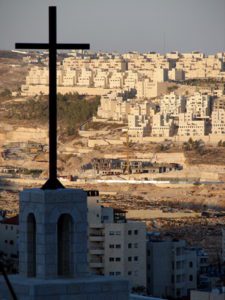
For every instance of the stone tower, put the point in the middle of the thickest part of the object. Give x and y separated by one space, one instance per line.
53 251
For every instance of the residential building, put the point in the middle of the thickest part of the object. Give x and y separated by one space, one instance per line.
190 127
9 234
172 104
117 247
162 125
171 268
199 105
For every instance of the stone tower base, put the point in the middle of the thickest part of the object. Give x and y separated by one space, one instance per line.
88 288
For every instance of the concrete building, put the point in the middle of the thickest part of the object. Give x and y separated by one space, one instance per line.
171 268
162 126
9 234
199 105
160 75
117 247
147 88
172 104
218 122
176 75
190 127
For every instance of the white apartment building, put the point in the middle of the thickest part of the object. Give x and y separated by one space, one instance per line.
172 104
102 79
188 126
160 75
171 268
131 79
176 74
37 75
116 80
218 121
139 119
117 247
138 126
114 107
70 77
147 88
162 126
199 105
86 78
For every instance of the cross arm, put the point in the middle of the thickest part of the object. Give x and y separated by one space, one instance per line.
40 46
37 46
73 46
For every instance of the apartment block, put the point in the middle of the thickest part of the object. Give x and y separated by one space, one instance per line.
218 122
117 247
199 105
172 104
162 126
171 268
189 126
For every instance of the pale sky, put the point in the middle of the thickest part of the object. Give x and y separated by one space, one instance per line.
119 25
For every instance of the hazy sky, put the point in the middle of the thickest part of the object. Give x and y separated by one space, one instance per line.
122 25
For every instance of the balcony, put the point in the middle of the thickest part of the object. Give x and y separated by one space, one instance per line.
96 264
99 251
96 238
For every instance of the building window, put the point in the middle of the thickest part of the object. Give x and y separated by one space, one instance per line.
111 233
178 292
118 259
11 242
111 273
129 232
136 232
191 278
111 246
6 241
111 259
118 246
148 253
118 233
135 245
129 273
129 245
136 258
129 258
190 264
118 273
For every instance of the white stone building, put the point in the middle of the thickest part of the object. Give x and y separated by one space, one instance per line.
162 126
218 122
199 105
117 247
172 104
190 127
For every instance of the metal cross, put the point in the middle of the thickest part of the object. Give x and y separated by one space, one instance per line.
52 46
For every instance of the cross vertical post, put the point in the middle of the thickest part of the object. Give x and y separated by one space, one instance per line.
52 46
53 96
